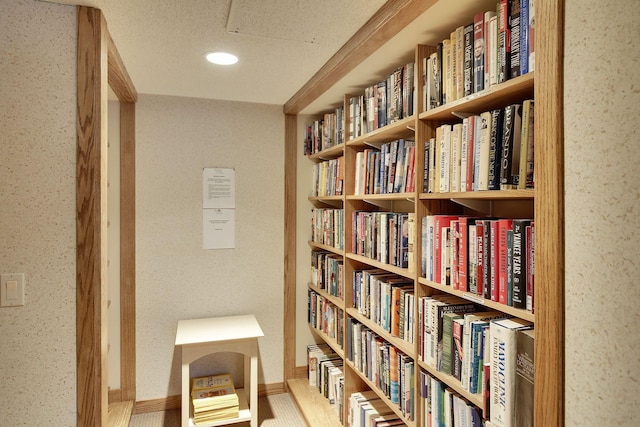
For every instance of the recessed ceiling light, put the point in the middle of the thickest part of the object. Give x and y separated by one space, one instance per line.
221 58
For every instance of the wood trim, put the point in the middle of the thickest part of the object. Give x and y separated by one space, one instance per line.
127 251
388 21
119 79
91 195
155 405
290 188
549 209
302 372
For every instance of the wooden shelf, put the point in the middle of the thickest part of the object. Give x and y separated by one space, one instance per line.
519 88
313 406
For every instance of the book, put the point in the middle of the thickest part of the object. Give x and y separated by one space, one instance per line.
525 375
489 44
465 375
511 139
457 355
518 263
525 173
456 156
214 398
532 44
467 65
482 152
524 37
503 369
448 341
514 37
504 46
495 149
478 52
503 266
492 50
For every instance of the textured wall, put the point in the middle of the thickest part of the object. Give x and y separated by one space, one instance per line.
602 163
37 211
176 279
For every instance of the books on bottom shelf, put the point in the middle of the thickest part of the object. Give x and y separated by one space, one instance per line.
214 398
503 362
366 409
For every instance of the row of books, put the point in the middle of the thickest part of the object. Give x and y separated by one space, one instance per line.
366 409
325 316
444 407
489 257
324 133
489 151
327 227
389 369
328 178
495 46
382 103
387 300
384 236
327 272
214 398
480 350
325 370
391 169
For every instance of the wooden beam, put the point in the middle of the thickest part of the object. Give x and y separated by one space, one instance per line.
127 251
119 79
549 209
290 188
388 21
91 199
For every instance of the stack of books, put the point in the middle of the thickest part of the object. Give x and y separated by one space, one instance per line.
214 398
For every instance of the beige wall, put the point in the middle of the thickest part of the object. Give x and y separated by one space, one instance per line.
177 279
602 168
37 212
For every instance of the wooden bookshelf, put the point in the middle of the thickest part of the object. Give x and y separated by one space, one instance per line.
544 203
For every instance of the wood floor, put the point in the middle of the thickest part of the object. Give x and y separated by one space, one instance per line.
120 414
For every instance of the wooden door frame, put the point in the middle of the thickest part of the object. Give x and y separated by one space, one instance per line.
99 66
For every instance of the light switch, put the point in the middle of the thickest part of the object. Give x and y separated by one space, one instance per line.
11 290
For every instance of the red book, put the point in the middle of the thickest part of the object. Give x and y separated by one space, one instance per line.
455 237
531 239
480 249
463 252
504 225
493 259
440 222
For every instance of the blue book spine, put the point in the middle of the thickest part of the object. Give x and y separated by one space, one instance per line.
524 37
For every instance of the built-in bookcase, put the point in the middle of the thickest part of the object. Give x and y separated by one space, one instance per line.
367 213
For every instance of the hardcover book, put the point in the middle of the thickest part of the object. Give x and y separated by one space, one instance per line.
514 27
503 369
478 52
495 149
525 373
511 140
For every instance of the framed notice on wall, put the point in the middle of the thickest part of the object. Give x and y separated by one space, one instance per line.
218 208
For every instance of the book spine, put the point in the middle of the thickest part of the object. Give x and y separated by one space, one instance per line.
504 226
504 42
478 52
495 149
524 37
468 60
525 375
482 160
514 29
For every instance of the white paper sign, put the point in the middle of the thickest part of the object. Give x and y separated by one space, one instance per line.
218 227
219 187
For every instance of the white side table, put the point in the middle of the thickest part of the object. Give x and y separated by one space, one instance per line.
236 334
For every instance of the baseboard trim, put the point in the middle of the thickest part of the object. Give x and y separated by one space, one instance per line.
175 402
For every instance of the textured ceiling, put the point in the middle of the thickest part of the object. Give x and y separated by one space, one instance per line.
280 43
